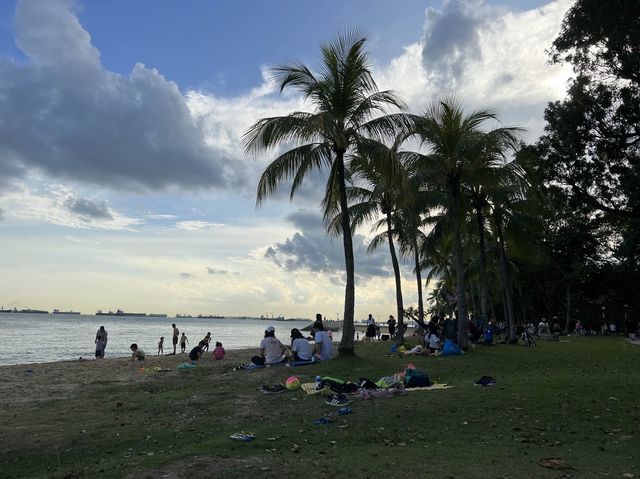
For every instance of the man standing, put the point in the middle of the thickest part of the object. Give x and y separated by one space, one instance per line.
392 326
101 335
176 335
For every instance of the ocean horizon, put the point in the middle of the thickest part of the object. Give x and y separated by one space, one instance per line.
41 338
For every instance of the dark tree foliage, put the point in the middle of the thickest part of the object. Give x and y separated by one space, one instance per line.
590 163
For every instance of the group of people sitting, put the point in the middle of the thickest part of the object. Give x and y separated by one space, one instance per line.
301 349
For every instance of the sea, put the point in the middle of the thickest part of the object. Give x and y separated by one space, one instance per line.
40 338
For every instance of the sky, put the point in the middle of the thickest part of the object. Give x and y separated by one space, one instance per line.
123 183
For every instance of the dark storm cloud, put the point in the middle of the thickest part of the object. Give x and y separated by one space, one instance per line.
65 115
452 40
311 249
88 209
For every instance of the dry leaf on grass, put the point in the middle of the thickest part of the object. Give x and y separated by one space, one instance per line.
555 463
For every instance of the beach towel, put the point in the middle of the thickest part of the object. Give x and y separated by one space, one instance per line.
433 387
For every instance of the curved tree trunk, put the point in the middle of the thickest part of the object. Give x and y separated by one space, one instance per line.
346 346
484 283
396 274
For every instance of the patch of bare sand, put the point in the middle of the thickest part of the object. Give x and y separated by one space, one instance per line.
61 380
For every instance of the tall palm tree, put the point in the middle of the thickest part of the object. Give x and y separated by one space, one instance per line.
380 170
490 171
347 106
451 137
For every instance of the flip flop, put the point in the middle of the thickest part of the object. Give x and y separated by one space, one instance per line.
241 436
322 420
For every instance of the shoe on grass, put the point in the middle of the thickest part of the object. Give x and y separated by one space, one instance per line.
338 400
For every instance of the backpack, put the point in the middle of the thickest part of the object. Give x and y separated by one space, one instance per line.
415 378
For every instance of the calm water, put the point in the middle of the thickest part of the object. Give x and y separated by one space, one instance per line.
36 338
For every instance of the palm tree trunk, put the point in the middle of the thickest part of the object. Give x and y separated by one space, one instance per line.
396 274
346 346
418 280
568 320
473 297
484 283
504 273
463 335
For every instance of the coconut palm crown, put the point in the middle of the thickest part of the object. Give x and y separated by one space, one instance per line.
346 107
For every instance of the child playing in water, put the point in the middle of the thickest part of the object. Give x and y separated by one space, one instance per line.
183 343
160 344
218 353
137 353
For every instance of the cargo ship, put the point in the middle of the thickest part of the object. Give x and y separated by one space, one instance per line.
57 311
119 312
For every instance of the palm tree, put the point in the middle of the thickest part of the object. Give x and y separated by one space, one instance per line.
347 106
453 142
385 187
490 171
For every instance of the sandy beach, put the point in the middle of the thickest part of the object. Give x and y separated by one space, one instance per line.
26 384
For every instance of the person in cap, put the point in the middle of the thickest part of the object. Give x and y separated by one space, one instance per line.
271 349
301 348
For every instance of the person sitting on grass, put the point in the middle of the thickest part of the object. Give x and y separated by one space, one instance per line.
137 353
301 348
271 349
324 345
218 352
196 353
434 342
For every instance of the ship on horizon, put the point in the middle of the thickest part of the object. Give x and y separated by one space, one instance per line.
119 312
28 311
57 311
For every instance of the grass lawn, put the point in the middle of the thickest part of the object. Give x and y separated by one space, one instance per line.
561 409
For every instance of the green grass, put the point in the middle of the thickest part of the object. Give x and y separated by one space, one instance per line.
574 401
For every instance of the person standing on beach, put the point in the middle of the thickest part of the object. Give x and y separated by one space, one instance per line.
183 343
176 335
101 335
392 326
161 346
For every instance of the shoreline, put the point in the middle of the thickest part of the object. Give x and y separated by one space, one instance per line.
29 383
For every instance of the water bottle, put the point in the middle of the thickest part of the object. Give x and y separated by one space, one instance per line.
318 383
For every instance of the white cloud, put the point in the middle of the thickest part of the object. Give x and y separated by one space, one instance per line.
496 60
197 225
60 205
73 119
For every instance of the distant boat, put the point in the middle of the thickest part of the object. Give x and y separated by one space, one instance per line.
122 313
210 316
2 310
183 316
57 311
119 312
156 315
30 311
